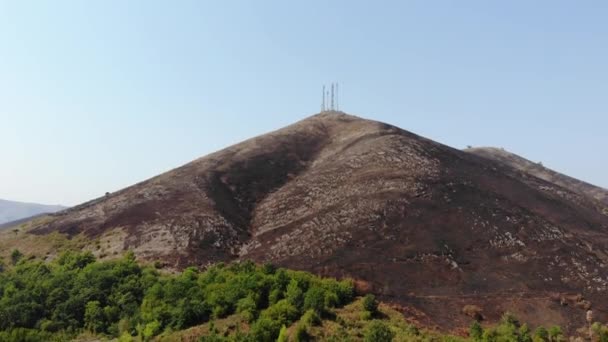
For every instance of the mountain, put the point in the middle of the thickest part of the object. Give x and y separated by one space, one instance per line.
537 170
441 234
13 211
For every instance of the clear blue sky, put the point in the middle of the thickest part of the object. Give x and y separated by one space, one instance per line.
97 95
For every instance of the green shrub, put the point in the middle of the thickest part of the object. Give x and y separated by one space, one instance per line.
541 334
16 256
600 332
370 304
366 315
555 334
310 318
331 299
490 335
151 329
282 312
525 335
265 330
476 331
294 294
315 299
269 268
283 337
274 296
94 318
509 319
248 307
377 331
301 333
125 337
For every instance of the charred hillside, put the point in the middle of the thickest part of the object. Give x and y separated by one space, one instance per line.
537 170
421 224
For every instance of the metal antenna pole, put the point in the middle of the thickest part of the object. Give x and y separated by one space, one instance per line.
332 96
337 97
323 102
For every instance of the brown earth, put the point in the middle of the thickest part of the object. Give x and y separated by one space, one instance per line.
426 227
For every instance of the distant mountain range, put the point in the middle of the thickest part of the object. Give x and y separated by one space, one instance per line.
13 211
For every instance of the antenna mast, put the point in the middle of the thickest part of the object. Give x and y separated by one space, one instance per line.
332 97
337 98
323 102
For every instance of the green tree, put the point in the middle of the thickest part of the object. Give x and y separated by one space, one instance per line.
370 304
345 290
294 294
331 299
377 331
476 331
125 337
541 334
525 333
283 337
247 307
94 318
150 330
600 331
269 268
73 260
16 255
282 312
310 318
265 330
508 329
509 319
555 334
301 333
315 299
274 296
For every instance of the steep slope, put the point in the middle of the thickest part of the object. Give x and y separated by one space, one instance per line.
420 224
13 211
539 171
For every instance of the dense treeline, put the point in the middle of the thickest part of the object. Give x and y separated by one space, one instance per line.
510 329
75 294
58 300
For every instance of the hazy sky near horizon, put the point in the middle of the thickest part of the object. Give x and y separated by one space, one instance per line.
98 95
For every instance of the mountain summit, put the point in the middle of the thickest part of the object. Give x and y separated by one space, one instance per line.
427 227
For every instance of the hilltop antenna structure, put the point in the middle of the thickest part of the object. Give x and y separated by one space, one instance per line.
330 98
323 101
337 97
